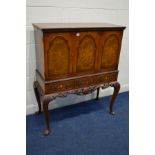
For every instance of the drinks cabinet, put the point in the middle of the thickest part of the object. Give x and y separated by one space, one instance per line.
77 59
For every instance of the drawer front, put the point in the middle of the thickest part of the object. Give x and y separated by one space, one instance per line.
106 78
59 86
82 82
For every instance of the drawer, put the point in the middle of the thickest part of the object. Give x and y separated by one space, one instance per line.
105 78
83 82
59 86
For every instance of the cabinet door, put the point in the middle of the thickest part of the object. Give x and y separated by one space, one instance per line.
58 55
85 52
110 45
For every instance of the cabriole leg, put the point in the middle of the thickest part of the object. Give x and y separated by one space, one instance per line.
45 110
116 91
37 96
97 96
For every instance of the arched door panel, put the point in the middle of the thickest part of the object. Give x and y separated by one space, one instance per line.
58 55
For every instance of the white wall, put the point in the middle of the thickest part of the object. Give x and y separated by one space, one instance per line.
60 11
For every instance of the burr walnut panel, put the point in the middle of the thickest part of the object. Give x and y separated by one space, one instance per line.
110 45
86 54
80 53
110 52
58 57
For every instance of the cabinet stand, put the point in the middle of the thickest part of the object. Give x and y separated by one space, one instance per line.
45 99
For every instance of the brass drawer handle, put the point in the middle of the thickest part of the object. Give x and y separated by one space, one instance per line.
61 87
106 77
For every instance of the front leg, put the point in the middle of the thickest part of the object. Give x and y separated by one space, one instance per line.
116 91
45 110
37 96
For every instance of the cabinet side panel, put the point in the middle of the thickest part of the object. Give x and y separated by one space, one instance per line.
39 51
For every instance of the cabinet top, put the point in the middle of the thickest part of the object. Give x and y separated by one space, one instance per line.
68 26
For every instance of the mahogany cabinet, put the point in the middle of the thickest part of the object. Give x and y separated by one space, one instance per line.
75 58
